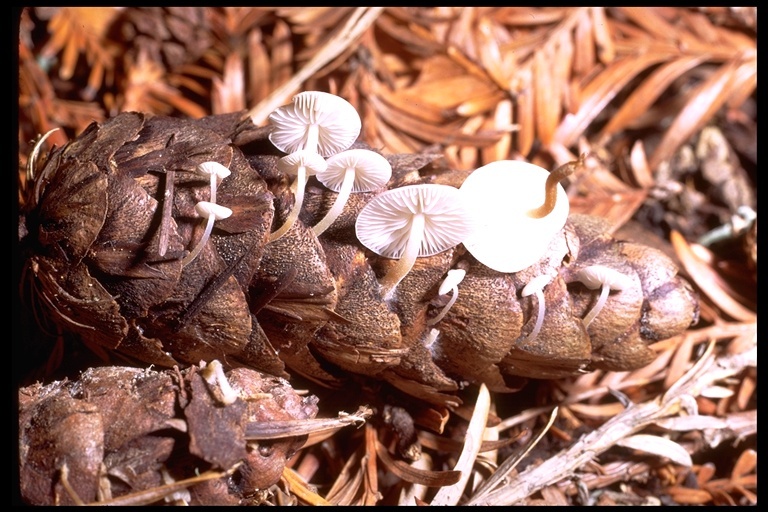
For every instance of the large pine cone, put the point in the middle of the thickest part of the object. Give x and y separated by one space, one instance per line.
106 240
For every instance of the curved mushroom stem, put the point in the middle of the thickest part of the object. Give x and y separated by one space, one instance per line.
338 205
301 182
407 259
447 307
539 317
604 291
553 179
201 243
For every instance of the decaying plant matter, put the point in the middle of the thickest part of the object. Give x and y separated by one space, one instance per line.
121 107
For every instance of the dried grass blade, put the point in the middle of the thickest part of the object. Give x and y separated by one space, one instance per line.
357 23
502 472
649 91
686 496
413 474
584 50
525 118
649 19
228 94
597 411
656 445
707 279
600 91
547 99
745 464
297 486
450 495
606 51
425 131
348 481
371 493
258 67
698 110
289 428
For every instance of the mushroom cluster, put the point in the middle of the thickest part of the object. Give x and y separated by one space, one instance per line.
315 126
330 258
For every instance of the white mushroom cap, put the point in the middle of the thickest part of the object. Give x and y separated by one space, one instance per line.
354 170
216 171
413 221
502 194
369 170
605 278
596 276
311 161
317 121
207 209
211 167
536 284
452 280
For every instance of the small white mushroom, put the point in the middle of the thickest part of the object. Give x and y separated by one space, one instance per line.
431 338
316 121
354 170
535 287
605 278
213 373
504 194
302 164
215 171
449 284
212 212
412 221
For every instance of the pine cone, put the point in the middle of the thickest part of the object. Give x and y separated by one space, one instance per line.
313 303
117 431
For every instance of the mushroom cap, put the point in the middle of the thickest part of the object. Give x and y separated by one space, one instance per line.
372 171
211 167
337 120
501 194
312 162
596 276
453 278
384 224
536 284
206 209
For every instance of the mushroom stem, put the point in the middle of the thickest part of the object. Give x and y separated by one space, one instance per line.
396 274
447 307
313 138
535 287
550 186
604 291
199 247
338 205
539 317
214 186
449 284
301 181
213 212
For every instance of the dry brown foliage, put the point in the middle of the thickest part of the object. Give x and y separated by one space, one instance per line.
665 97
